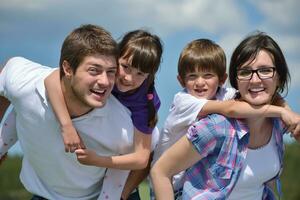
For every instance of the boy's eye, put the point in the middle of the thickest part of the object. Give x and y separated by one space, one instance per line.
191 76
208 75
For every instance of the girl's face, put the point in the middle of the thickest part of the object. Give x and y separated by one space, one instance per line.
129 78
257 80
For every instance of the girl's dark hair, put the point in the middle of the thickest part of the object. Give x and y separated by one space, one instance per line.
152 113
144 50
247 51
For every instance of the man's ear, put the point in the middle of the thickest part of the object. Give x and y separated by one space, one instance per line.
67 69
180 81
223 79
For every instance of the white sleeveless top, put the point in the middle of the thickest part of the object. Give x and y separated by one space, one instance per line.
260 165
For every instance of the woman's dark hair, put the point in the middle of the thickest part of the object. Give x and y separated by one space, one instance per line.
145 51
247 51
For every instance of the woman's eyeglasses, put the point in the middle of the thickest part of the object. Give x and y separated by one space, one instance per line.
263 73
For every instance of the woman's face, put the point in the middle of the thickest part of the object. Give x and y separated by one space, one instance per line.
260 89
129 78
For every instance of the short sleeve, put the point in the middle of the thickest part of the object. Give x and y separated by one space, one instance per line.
203 136
184 111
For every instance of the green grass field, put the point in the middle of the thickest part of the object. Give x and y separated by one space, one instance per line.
12 189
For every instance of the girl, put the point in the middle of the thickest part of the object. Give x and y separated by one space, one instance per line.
226 154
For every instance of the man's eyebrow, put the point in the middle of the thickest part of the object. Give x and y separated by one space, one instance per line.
101 66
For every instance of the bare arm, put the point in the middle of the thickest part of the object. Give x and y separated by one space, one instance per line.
135 178
71 139
136 160
241 109
177 158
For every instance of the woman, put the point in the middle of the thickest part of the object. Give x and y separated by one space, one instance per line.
226 154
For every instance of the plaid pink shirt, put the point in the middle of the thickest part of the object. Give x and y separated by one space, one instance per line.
222 143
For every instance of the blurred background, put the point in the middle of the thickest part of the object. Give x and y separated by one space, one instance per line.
36 30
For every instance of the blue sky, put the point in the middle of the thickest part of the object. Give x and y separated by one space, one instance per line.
36 29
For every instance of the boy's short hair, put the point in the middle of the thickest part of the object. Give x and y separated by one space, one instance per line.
87 40
202 55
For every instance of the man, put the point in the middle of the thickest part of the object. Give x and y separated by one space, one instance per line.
88 66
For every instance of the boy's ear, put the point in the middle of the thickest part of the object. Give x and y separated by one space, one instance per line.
223 79
67 69
181 81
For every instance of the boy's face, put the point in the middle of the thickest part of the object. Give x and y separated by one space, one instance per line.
203 85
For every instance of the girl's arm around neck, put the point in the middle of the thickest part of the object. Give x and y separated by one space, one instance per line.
71 139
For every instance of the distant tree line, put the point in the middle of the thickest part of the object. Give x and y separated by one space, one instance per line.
12 189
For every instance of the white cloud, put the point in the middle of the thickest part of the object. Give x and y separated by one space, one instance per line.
24 5
164 16
228 21
205 15
282 16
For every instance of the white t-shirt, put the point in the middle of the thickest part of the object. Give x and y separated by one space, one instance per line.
46 169
183 112
260 165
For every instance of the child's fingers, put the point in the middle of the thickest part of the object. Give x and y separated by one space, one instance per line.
79 151
82 146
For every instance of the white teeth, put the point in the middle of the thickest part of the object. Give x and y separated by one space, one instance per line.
99 91
256 89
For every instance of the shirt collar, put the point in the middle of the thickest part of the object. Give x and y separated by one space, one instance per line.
241 128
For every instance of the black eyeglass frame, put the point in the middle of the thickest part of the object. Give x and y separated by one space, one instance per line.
257 73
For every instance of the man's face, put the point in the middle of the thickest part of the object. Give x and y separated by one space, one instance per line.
93 81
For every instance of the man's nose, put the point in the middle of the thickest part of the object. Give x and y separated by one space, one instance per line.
102 79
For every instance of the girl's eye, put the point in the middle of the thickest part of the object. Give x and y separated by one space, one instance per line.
141 74
125 66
